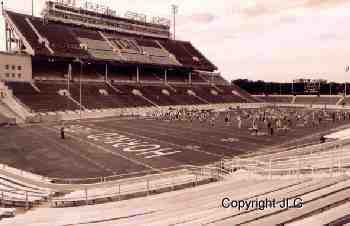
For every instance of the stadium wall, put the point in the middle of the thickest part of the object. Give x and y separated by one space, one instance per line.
15 67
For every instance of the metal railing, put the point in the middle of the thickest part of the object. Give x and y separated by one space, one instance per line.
328 159
143 186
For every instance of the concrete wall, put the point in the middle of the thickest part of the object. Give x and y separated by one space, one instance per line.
15 67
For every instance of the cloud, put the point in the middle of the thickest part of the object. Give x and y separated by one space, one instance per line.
328 36
202 17
287 19
324 3
258 9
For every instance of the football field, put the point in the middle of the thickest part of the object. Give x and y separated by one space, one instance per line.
115 146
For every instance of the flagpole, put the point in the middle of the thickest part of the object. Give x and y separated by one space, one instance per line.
174 11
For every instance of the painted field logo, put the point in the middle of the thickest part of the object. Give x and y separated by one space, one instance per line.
130 145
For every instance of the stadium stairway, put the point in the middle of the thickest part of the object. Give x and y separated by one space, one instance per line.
11 107
341 100
293 100
5 115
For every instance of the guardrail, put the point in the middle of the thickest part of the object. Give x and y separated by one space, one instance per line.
134 187
123 186
21 198
329 159
25 174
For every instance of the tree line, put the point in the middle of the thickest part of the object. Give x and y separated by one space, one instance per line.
260 87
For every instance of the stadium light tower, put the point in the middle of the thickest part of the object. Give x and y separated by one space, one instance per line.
175 10
32 7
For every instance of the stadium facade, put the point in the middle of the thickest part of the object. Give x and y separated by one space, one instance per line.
118 62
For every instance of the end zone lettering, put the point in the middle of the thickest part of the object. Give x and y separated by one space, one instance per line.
130 145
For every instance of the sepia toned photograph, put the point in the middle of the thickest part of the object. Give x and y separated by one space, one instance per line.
174 113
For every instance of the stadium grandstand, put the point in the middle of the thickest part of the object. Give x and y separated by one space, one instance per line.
103 62
108 120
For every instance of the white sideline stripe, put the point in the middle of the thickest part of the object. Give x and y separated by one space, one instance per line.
77 138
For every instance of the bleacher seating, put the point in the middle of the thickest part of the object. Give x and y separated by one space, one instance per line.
334 216
231 94
203 205
17 194
64 45
187 54
99 95
277 99
7 212
155 94
305 99
24 28
128 188
3 120
329 100
315 195
346 101
121 54
87 34
45 101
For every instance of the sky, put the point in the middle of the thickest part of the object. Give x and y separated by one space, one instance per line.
273 40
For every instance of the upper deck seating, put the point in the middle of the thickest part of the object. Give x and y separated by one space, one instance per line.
63 45
108 46
186 54
87 34
27 31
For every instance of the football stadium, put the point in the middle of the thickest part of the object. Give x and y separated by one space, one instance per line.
109 120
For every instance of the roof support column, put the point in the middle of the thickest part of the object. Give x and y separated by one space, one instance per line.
166 76
137 74
6 37
106 73
190 78
10 40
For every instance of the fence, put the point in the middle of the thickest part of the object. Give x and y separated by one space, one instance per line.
120 186
328 159
142 186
